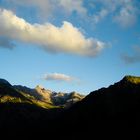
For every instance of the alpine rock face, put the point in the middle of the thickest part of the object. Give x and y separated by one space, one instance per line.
51 97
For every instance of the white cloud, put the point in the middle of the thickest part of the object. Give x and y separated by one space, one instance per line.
64 39
58 77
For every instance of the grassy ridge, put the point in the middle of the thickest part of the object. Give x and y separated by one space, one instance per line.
132 79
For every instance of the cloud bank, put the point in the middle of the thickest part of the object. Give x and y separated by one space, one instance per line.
64 39
58 77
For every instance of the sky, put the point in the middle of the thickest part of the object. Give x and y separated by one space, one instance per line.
69 45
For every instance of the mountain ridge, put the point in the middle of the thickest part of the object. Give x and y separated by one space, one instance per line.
4 82
38 95
116 107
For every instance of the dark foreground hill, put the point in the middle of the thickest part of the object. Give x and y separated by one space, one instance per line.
108 109
116 105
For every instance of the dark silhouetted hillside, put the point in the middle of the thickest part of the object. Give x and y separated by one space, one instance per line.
108 109
116 107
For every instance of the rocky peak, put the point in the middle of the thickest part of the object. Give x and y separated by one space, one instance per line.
39 87
73 94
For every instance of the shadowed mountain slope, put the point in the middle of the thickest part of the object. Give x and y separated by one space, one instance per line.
108 109
116 107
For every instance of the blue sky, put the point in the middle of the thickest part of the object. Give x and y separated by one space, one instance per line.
69 45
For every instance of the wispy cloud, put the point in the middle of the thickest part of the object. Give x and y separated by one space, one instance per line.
122 12
64 39
48 7
127 15
133 58
73 5
58 77
100 15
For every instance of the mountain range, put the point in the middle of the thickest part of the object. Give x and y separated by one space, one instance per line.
39 96
117 106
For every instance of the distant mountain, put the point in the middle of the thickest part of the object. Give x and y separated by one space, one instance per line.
39 93
38 96
9 94
47 96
